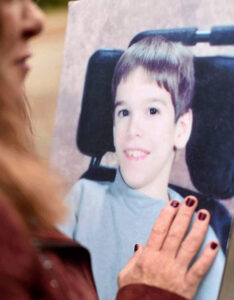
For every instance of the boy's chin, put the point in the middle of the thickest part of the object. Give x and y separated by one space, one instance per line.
132 179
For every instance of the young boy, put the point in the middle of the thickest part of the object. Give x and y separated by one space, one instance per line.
152 89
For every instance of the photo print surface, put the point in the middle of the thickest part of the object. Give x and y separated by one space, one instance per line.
97 34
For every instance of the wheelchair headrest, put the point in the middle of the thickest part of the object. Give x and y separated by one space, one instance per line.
94 137
209 153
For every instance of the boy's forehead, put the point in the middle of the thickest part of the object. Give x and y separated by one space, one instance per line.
140 84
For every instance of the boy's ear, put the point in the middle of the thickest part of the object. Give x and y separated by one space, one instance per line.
183 129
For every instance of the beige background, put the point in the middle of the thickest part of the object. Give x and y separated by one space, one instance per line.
42 83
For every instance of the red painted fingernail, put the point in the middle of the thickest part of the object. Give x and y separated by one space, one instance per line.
136 247
213 245
201 216
175 203
189 202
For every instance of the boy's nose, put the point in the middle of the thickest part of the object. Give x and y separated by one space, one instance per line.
135 127
33 20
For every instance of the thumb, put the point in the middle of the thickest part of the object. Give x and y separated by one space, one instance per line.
138 248
128 269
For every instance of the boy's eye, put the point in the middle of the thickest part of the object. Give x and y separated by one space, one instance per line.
153 111
123 113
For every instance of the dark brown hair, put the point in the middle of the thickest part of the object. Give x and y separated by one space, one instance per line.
169 63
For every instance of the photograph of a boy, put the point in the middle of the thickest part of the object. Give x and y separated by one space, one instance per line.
152 91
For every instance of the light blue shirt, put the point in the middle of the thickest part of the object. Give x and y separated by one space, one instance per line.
109 219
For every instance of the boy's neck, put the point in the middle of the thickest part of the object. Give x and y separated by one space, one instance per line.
157 191
158 188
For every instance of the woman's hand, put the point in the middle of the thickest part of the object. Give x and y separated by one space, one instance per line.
165 260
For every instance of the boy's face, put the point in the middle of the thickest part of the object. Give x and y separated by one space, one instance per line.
145 132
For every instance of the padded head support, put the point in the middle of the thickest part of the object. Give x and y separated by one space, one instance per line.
210 150
94 137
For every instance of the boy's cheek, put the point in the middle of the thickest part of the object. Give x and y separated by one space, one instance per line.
116 136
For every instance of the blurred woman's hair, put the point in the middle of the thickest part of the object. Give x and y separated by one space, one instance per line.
15 124
25 180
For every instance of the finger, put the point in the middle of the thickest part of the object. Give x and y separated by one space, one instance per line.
138 249
202 265
194 239
162 225
180 225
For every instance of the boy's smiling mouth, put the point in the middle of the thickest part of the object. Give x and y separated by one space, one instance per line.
136 154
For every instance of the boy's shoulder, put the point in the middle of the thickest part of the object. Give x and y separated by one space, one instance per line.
89 187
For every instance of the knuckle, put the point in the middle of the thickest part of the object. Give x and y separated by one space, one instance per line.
145 261
198 273
189 247
190 281
142 262
173 234
159 230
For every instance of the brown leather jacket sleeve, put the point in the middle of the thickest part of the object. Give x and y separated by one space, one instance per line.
145 292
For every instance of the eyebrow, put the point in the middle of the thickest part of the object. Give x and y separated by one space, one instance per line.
118 103
148 100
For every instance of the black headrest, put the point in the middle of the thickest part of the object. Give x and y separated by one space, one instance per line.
94 136
210 150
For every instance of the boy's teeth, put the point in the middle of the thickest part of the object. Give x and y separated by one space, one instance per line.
135 153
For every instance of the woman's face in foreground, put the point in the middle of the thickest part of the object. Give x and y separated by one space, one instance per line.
20 20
